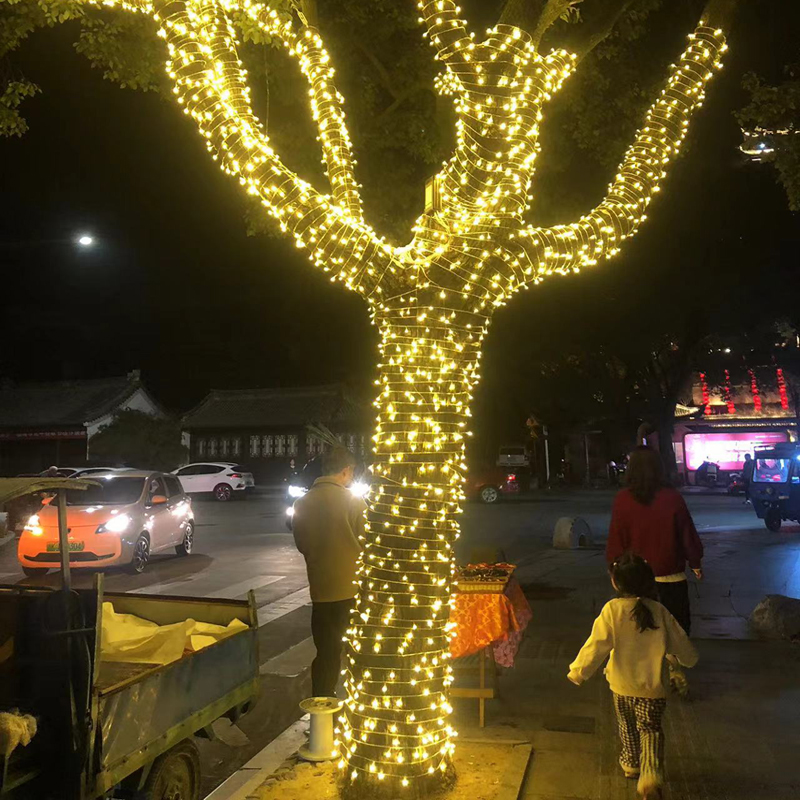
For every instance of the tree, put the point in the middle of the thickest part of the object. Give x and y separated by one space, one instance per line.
432 299
141 440
771 122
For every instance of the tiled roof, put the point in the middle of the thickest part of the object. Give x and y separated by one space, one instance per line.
296 406
38 405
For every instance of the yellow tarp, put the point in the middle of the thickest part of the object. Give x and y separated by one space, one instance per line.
135 640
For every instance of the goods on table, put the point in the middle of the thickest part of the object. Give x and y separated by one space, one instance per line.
483 577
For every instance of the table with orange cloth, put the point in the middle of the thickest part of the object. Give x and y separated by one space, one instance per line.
498 619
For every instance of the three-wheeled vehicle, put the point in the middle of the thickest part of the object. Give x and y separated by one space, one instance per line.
775 485
112 727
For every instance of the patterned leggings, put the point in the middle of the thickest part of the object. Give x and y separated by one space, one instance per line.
639 720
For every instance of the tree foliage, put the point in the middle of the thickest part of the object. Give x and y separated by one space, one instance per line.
776 108
139 440
402 128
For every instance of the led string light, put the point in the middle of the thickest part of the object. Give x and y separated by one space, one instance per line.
432 301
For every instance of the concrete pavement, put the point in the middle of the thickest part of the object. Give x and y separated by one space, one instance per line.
736 738
244 544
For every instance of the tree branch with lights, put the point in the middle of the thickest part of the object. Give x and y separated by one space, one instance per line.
431 299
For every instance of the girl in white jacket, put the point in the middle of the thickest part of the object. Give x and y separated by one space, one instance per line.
636 633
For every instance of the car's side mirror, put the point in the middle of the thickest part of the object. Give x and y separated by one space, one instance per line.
158 500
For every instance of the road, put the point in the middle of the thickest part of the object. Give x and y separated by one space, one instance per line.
244 545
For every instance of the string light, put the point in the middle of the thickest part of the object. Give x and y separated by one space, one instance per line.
432 301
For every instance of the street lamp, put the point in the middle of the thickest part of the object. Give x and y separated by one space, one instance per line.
85 240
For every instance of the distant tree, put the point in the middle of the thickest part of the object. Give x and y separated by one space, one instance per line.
772 120
141 440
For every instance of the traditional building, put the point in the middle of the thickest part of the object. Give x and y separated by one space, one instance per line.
51 423
731 412
265 428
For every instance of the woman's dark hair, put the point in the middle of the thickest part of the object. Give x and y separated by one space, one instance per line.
634 577
645 474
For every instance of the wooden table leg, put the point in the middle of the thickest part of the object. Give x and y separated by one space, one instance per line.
482 685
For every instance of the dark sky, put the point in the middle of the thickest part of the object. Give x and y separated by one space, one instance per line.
176 287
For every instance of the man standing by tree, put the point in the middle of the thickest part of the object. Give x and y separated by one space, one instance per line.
328 527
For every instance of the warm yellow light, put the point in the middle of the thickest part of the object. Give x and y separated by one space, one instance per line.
432 301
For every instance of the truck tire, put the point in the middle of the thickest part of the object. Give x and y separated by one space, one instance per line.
175 775
773 520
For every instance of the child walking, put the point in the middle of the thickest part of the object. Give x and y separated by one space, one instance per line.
637 634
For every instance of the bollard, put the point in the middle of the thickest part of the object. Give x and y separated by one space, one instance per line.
571 533
320 734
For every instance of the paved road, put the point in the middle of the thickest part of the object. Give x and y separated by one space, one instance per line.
244 545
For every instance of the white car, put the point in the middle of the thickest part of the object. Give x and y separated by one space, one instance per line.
220 478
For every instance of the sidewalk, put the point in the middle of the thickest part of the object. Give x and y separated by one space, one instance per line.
737 738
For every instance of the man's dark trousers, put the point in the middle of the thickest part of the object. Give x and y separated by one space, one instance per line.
328 625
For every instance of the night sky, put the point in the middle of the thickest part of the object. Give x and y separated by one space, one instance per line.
176 288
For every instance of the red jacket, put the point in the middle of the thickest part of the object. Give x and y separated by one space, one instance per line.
662 533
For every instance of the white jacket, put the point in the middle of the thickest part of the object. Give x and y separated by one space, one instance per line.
636 659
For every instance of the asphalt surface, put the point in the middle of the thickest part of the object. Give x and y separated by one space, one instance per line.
243 545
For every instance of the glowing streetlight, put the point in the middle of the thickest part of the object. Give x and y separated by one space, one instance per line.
85 240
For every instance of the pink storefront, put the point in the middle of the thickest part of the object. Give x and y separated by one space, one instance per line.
730 415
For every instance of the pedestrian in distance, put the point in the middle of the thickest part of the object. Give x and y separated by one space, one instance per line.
747 475
650 518
328 527
637 634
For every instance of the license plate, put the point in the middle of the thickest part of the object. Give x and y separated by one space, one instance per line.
53 547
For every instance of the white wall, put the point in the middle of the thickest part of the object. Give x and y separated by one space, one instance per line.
138 401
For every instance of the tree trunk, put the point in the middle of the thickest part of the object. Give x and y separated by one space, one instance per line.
666 431
395 726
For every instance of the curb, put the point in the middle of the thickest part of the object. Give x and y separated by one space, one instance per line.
249 777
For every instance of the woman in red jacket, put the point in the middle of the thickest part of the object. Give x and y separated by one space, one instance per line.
651 519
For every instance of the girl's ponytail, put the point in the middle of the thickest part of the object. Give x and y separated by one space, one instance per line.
643 616
633 577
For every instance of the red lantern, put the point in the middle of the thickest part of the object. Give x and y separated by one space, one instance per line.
706 395
782 389
728 398
754 391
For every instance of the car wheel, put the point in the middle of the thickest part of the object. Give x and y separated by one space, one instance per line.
34 572
185 547
141 555
175 775
489 494
773 521
223 492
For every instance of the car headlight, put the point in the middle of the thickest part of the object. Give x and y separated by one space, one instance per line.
33 527
297 491
359 489
116 524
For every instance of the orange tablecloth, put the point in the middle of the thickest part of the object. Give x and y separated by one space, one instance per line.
490 619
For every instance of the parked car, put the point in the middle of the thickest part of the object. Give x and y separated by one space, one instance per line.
121 522
301 482
490 485
223 479
85 472
512 455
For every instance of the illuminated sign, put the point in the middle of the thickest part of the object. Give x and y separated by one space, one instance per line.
726 450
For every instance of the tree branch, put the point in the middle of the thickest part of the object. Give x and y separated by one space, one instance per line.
536 252
210 85
598 27
383 73
534 16
447 32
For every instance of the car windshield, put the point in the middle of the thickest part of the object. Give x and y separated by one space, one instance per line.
112 491
771 470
